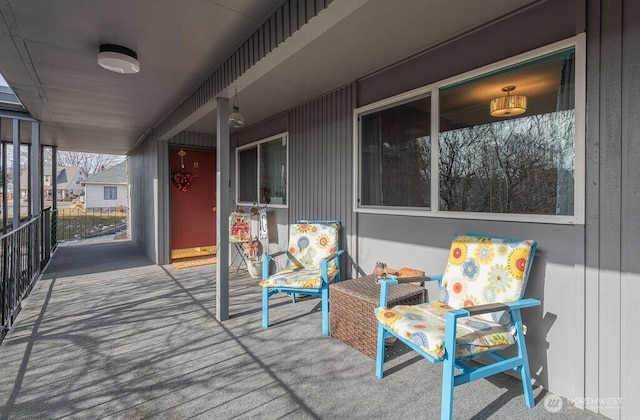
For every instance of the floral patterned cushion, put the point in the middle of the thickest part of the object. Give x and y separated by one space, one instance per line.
484 270
301 278
424 324
309 244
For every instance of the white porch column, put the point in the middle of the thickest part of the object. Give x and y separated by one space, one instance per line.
222 215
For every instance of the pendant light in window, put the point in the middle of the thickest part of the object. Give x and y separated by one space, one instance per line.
236 119
508 105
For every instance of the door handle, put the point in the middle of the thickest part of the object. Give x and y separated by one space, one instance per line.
214 208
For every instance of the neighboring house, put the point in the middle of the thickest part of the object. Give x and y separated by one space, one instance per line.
108 188
68 182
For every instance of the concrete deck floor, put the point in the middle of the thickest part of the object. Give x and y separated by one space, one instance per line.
106 334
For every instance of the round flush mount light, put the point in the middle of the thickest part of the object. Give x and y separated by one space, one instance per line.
118 59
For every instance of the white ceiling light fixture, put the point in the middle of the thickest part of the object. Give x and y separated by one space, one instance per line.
236 119
118 59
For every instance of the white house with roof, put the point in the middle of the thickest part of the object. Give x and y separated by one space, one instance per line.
108 188
68 182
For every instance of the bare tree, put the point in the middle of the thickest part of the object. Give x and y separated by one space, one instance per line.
91 162
522 165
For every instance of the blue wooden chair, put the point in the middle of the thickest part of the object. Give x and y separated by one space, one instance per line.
477 313
313 262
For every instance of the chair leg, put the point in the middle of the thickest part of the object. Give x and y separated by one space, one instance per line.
525 373
325 310
380 352
526 384
265 307
448 367
448 373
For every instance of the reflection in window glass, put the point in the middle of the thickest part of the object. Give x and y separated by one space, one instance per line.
515 164
395 155
248 175
273 172
262 172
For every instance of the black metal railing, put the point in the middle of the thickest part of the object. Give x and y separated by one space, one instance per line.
21 256
77 223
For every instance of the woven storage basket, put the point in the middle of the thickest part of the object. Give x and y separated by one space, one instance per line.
352 319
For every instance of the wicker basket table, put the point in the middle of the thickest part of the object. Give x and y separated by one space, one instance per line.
352 319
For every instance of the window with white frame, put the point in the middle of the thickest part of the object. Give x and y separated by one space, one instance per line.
110 193
508 143
262 172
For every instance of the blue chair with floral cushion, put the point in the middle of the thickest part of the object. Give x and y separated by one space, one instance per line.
313 263
477 314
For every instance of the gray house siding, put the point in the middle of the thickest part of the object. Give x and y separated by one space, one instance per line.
193 139
630 209
613 199
145 199
321 163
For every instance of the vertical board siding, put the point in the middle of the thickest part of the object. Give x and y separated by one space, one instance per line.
630 223
320 148
191 138
592 208
143 176
282 23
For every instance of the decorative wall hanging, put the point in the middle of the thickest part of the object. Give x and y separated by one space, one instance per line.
182 180
239 226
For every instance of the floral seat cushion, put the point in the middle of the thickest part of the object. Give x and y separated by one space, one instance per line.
424 325
309 244
301 278
483 270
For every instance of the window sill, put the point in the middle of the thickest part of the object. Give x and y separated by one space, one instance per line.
499 217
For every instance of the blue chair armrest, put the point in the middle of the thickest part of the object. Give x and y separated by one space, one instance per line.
385 282
332 256
324 264
268 257
265 262
492 307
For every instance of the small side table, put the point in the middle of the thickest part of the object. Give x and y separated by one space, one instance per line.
239 253
352 319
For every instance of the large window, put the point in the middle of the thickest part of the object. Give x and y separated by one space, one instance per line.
262 172
508 143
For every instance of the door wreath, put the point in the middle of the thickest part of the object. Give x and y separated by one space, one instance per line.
182 180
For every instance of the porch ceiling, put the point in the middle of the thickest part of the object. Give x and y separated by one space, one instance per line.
48 55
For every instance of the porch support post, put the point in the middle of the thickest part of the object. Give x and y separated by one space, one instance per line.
35 166
222 215
54 177
16 173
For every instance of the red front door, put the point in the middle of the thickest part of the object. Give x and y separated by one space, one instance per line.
193 202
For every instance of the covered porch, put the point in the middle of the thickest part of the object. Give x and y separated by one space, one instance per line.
317 82
139 340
